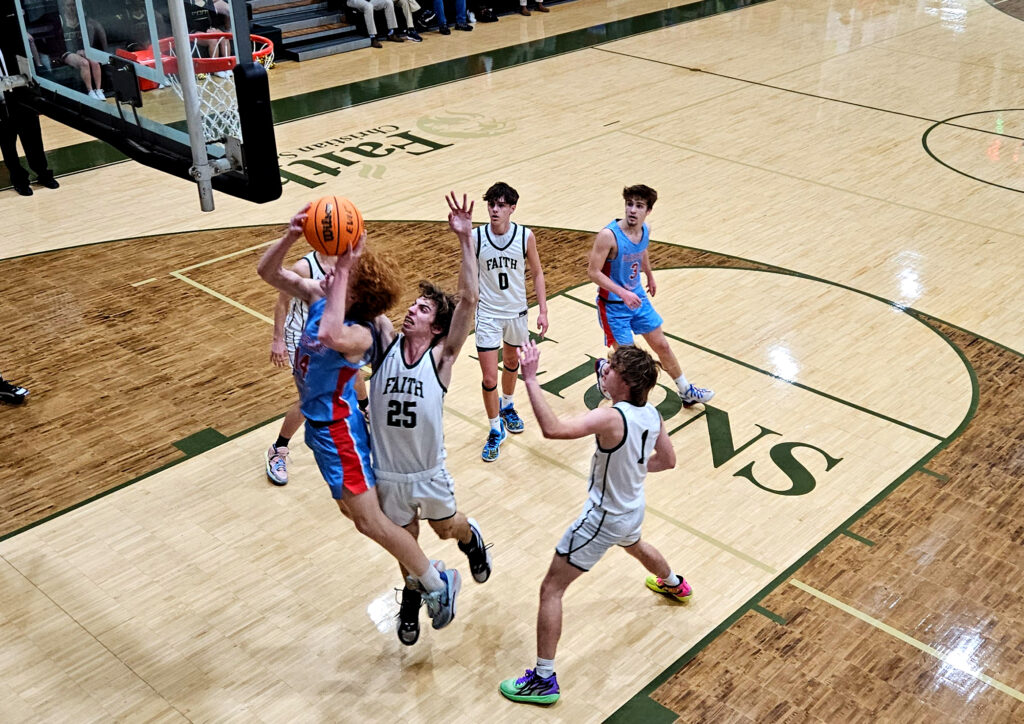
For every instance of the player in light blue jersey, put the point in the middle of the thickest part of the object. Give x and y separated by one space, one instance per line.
342 333
618 258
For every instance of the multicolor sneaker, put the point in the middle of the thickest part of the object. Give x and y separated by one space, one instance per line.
441 604
477 553
493 445
12 394
599 366
692 395
513 423
677 593
409 616
277 465
531 689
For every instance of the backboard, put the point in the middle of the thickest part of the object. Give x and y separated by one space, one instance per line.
173 85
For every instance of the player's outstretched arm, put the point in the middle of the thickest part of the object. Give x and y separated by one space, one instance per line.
664 456
604 248
604 422
533 258
352 340
272 271
460 220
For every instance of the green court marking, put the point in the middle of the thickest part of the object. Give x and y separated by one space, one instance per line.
645 711
200 442
769 614
798 385
696 417
954 659
93 154
942 478
860 539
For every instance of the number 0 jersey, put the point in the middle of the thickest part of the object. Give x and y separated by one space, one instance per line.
626 267
406 416
617 474
502 271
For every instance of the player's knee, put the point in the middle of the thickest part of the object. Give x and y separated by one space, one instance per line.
490 383
445 529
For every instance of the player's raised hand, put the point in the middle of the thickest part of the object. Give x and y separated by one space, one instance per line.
460 215
350 258
297 222
529 359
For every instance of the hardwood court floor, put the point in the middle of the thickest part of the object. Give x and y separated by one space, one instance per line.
862 147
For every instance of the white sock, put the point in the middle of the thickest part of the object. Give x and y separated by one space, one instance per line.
672 580
681 384
496 424
431 579
545 667
506 401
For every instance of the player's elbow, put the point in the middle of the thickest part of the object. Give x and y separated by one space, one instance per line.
470 296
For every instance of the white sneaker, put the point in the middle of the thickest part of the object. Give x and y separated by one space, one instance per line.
222 73
692 395
599 365
97 94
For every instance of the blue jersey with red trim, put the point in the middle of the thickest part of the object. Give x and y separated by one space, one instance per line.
324 377
626 267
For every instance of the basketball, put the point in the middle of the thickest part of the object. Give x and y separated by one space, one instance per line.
332 225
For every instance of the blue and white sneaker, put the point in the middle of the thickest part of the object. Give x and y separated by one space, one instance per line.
513 423
441 604
531 689
692 395
493 445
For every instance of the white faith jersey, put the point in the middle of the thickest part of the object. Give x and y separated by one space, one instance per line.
617 474
406 416
502 271
298 310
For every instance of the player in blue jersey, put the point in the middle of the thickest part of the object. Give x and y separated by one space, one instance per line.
342 333
616 261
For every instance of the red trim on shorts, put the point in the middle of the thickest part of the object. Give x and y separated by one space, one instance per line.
353 478
602 315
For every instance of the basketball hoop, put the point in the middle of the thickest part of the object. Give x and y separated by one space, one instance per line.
218 102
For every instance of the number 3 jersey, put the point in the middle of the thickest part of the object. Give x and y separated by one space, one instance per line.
617 474
502 271
406 416
626 267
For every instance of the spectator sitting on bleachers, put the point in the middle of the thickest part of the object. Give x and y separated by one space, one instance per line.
366 7
73 54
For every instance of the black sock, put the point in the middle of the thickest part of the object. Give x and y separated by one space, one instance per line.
282 441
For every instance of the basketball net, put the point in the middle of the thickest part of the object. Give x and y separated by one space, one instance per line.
218 101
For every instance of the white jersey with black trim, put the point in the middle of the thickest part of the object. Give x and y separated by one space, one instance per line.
617 474
406 416
502 271
298 310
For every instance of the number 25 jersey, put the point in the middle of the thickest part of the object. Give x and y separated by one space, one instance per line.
406 416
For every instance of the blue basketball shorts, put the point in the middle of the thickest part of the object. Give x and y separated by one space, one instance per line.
620 323
342 453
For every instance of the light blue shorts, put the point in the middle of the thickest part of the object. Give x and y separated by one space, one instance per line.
619 322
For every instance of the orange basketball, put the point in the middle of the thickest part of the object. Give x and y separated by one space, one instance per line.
333 224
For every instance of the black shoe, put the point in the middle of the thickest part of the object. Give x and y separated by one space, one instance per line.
395 36
477 553
413 36
23 189
409 617
48 181
486 15
464 26
427 16
375 43
443 29
12 394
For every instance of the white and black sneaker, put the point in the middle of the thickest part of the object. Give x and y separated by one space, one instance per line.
409 615
478 554
12 394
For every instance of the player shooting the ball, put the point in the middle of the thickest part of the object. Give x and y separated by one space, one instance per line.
343 332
